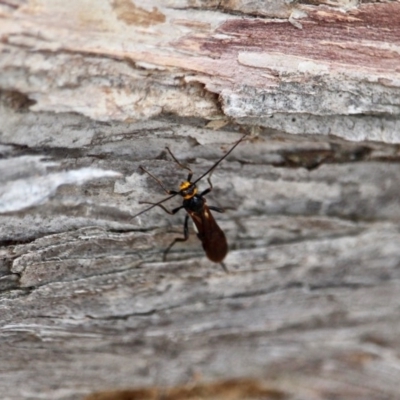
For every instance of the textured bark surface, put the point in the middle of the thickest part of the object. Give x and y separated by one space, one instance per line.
91 90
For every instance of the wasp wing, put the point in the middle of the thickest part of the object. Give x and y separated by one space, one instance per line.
210 234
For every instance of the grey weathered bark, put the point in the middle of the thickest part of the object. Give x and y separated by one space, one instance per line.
90 90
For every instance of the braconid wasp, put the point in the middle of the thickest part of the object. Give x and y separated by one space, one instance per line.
210 234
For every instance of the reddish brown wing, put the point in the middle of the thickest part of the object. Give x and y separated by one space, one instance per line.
211 235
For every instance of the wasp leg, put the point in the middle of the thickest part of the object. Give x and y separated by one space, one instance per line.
190 175
185 237
159 182
217 209
171 212
204 192
185 226
208 190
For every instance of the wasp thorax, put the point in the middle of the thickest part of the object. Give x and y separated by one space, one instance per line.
187 190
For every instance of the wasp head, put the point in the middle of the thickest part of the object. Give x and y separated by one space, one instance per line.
187 190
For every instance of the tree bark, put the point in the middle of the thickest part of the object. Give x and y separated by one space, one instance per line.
92 90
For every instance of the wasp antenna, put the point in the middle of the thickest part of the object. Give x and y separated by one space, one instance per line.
220 160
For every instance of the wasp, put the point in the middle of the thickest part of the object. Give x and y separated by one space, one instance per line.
194 203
